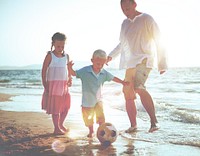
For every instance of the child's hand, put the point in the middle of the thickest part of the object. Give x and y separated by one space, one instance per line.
46 87
69 82
70 64
70 69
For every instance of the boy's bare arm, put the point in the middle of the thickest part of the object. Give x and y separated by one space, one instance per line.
124 83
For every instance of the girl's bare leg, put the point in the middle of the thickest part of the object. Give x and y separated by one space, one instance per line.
64 114
62 119
55 118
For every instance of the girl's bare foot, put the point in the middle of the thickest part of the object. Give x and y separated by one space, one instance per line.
64 129
58 132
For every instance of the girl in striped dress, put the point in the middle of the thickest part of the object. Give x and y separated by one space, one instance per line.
56 79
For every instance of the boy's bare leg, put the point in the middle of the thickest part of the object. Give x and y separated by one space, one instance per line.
91 132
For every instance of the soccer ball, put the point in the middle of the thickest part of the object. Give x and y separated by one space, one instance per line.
106 134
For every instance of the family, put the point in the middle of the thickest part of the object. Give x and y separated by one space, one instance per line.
139 33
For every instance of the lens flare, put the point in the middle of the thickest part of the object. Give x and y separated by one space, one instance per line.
58 146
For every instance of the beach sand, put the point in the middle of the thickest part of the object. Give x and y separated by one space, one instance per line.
30 134
5 97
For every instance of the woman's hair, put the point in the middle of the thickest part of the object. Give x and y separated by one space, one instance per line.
59 37
99 53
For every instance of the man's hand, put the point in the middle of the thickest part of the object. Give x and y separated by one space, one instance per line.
108 60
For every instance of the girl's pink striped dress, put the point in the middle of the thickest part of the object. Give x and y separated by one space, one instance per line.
57 98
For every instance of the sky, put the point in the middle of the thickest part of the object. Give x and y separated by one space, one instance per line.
27 27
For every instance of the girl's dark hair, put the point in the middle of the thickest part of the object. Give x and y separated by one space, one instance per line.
59 37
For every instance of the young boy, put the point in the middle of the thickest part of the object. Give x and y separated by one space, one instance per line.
93 78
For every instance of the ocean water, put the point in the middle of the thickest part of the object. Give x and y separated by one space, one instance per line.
176 95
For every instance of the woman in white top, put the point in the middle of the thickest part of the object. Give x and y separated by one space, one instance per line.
139 37
56 79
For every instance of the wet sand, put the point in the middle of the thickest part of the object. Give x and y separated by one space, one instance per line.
30 134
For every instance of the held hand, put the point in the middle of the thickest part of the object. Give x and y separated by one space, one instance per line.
69 82
125 83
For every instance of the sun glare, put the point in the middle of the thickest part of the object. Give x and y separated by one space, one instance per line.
178 20
180 34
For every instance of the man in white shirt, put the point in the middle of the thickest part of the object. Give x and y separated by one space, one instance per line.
139 38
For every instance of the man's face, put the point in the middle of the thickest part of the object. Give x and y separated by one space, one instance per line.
128 8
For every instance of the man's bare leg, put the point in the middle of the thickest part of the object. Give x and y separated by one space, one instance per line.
148 104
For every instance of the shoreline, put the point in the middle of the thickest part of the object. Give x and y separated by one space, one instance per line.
20 137
30 134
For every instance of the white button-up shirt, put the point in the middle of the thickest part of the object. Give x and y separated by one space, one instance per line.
139 38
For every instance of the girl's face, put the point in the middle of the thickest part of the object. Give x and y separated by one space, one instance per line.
98 64
59 46
128 8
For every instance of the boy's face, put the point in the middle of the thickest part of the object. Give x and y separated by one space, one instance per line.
128 8
59 46
98 63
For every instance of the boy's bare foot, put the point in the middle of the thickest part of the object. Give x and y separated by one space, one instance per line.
90 135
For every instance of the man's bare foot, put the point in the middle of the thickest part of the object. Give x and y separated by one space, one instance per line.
131 129
154 128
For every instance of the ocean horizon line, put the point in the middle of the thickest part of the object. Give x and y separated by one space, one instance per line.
78 64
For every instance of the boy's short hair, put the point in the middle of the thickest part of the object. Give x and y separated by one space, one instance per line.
99 53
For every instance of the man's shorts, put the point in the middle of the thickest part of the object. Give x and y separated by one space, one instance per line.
88 114
141 75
